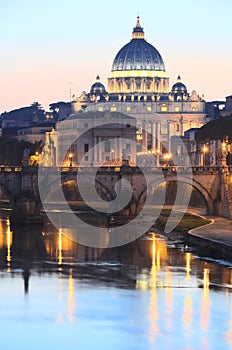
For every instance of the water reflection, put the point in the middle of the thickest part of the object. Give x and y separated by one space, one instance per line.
228 335
71 299
187 315
165 290
60 257
153 305
9 243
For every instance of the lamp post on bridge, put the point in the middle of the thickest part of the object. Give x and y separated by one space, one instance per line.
112 158
205 149
70 156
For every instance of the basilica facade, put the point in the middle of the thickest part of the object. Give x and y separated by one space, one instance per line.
139 87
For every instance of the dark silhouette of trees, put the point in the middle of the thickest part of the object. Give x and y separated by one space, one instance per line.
11 150
33 113
59 109
218 129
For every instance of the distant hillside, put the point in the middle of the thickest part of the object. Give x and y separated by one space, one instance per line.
33 113
36 114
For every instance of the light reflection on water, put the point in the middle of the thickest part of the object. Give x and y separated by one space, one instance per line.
145 295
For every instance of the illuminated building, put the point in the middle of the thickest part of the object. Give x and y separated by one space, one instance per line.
91 138
139 87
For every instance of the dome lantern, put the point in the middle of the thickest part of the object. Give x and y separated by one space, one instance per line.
138 32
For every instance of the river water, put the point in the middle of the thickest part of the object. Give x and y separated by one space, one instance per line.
151 294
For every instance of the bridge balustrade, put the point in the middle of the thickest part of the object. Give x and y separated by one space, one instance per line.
169 170
8 169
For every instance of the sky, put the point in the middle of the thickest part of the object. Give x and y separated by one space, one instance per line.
48 46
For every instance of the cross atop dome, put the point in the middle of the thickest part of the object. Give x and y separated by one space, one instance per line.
138 32
138 25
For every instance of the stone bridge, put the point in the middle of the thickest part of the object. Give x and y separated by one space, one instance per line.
20 184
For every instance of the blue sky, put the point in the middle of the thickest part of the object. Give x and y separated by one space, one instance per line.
46 44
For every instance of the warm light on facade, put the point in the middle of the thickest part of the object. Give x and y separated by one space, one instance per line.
138 74
224 146
167 156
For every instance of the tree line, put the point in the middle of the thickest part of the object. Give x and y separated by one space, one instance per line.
12 150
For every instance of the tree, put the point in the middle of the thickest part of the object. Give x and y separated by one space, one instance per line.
32 113
11 150
218 129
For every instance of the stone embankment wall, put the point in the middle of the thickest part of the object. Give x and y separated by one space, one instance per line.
228 192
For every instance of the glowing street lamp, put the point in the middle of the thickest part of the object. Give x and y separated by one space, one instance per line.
112 156
70 156
223 152
205 149
224 146
167 157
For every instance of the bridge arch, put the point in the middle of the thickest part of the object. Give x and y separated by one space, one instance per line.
206 196
52 184
8 194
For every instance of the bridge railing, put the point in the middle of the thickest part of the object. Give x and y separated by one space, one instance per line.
9 169
167 170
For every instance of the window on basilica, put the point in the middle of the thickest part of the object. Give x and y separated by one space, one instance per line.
113 109
163 128
107 146
164 108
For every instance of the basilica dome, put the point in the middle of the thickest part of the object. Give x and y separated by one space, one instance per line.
138 55
97 88
179 87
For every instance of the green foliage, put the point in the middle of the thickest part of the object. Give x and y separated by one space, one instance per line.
188 222
11 150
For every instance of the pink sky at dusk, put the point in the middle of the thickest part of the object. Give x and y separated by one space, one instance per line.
45 46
